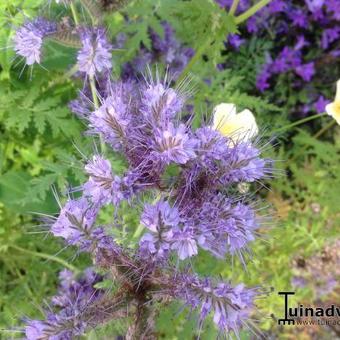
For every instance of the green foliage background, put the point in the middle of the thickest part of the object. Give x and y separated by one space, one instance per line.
41 145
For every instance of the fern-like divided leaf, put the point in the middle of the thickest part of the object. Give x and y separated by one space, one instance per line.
20 109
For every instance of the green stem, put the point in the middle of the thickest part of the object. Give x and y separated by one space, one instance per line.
47 257
233 7
299 122
94 93
74 13
251 11
325 128
96 106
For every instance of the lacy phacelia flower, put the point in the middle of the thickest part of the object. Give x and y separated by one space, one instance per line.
237 126
111 121
95 55
28 39
333 109
75 222
189 171
73 299
230 306
174 145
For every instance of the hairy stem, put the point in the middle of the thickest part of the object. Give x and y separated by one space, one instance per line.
143 326
251 11
96 106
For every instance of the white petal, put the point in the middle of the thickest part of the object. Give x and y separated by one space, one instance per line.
241 127
337 95
333 109
222 113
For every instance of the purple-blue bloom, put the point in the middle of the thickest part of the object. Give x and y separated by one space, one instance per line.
95 55
306 71
28 39
173 145
184 172
230 306
75 221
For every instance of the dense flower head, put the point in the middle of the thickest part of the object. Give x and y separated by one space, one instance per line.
28 39
181 175
230 306
75 220
95 55
72 299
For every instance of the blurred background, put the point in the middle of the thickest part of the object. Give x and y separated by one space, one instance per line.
282 63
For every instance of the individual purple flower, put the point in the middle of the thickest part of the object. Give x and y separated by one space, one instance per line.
103 186
224 226
211 146
111 121
262 79
314 5
160 105
332 7
174 145
329 36
35 330
99 187
243 164
160 215
301 42
28 39
299 18
95 55
235 41
306 71
161 220
75 221
320 104
276 6
184 243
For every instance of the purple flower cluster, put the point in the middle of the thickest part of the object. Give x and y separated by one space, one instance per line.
192 210
307 36
29 38
166 50
93 59
73 298
231 306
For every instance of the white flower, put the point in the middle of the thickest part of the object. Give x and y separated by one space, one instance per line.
333 109
237 126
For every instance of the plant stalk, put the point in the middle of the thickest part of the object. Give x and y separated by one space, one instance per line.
47 257
74 13
301 121
233 7
96 106
251 11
